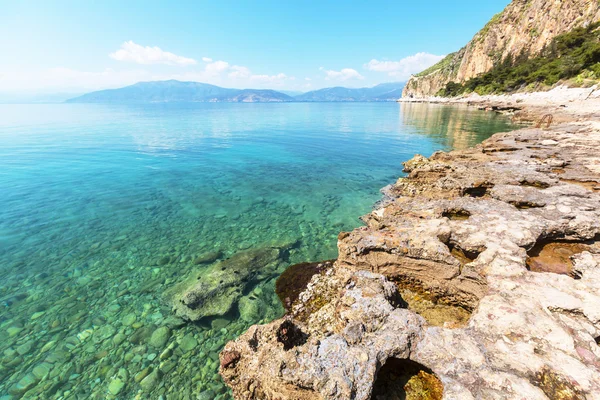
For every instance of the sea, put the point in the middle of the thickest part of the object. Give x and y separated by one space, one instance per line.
104 208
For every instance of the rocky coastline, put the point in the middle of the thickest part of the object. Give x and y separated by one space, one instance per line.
477 277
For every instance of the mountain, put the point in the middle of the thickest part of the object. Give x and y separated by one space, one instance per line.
522 31
176 91
382 92
292 93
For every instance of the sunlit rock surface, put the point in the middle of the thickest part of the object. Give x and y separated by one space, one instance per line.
477 230
524 27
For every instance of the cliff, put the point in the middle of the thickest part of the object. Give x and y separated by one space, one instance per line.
523 29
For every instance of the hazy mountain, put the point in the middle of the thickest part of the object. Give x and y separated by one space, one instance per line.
291 92
383 92
176 91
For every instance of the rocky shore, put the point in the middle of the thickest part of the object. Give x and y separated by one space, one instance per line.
477 277
566 103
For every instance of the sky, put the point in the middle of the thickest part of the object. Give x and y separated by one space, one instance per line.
77 46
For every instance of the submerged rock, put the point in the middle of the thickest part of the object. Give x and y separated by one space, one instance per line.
160 337
213 292
209 257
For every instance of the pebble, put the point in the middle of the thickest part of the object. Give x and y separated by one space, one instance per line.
41 370
118 339
142 374
115 386
160 337
25 348
188 343
206 395
47 346
25 384
13 331
149 383
168 352
114 308
129 319
37 315
167 366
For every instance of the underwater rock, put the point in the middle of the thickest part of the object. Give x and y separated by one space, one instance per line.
160 337
129 319
463 241
149 382
209 257
188 343
213 292
115 386
250 308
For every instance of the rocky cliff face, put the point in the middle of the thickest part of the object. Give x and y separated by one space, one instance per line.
525 27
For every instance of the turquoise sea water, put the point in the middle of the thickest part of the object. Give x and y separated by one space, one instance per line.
103 208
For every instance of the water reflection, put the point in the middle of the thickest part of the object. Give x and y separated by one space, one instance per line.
453 126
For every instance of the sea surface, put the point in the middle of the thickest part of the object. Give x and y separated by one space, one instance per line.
104 208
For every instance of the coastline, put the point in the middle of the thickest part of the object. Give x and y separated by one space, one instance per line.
568 104
505 231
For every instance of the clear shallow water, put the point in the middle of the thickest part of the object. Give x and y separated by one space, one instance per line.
103 208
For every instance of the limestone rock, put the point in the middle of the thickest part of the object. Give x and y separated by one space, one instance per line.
524 27
461 229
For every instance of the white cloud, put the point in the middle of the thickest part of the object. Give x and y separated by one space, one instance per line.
343 75
207 59
407 66
239 72
66 79
133 52
217 67
274 79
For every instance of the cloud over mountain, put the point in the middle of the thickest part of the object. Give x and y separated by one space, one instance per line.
134 52
343 75
405 67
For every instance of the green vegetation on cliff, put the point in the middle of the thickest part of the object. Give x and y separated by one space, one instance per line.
574 55
443 64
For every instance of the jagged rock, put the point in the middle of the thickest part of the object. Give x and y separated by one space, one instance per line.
294 280
215 290
459 229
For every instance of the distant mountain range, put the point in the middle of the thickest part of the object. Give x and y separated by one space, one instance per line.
175 91
383 92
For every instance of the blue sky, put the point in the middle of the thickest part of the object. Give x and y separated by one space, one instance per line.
76 46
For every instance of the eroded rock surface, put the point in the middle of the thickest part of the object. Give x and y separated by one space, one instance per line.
456 230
